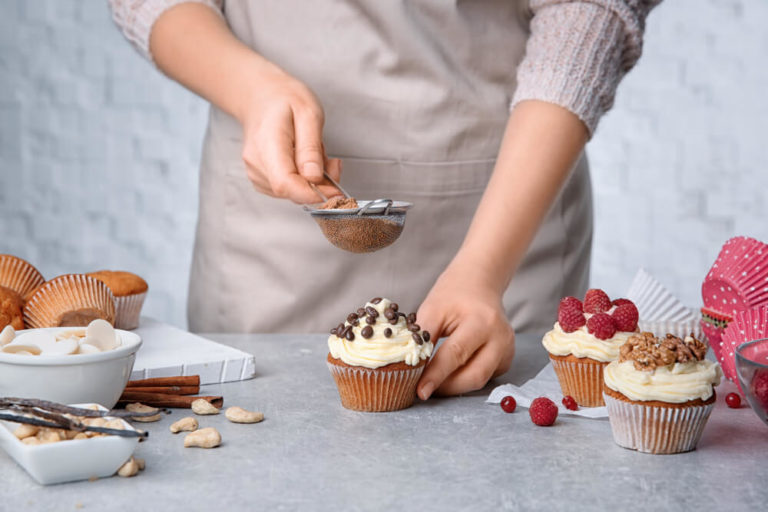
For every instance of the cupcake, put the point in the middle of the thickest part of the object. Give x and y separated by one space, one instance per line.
586 337
129 291
11 309
70 300
660 393
377 356
18 275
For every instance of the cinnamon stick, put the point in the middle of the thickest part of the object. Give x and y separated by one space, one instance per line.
181 380
166 400
166 390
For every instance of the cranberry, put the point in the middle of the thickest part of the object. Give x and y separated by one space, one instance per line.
733 400
570 403
508 404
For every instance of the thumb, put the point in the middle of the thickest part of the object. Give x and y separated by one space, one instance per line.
310 158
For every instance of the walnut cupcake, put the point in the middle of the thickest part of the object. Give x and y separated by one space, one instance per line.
129 290
660 393
377 356
68 301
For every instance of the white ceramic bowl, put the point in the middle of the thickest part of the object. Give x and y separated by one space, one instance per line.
68 461
95 378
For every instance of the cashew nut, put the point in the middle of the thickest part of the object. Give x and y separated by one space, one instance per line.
47 435
131 467
81 435
140 463
31 440
115 424
188 424
138 407
203 407
24 431
204 438
240 415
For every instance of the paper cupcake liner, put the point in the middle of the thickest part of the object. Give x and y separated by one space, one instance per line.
738 278
747 325
681 329
581 380
656 429
68 293
128 310
18 275
654 301
714 337
363 389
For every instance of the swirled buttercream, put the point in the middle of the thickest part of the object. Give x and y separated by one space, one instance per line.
379 350
581 343
674 383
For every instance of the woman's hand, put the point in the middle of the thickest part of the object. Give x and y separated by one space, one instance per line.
283 140
479 344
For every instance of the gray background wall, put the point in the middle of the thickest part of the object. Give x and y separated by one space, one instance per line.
99 152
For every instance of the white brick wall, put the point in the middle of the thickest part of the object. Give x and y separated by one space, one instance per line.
99 152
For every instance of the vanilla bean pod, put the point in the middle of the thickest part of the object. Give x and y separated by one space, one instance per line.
42 423
7 402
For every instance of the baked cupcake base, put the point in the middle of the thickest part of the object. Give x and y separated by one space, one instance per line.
657 427
388 388
580 378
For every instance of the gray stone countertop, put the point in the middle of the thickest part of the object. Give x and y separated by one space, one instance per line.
444 454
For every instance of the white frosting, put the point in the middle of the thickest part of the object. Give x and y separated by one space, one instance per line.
99 336
581 343
675 383
379 350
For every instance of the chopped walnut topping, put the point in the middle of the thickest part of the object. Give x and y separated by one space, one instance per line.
647 352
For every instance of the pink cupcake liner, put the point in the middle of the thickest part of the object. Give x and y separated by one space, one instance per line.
128 310
748 325
66 293
582 381
655 429
363 389
738 278
18 275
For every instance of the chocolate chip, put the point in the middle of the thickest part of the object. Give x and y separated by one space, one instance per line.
394 306
414 328
367 331
352 317
412 318
350 335
372 311
387 332
393 321
390 314
370 320
417 338
333 330
360 312
375 300
425 335
340 330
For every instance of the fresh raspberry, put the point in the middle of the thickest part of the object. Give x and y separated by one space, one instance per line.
570 302
596 301
601 326
733 400
619 302
625 317
570 318
543 411
570 403
759 387
508 404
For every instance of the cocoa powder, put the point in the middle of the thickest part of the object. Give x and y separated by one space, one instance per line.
360 234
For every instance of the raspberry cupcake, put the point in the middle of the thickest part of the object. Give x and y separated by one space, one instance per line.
68 301
377 356
586 337
129 291
660 393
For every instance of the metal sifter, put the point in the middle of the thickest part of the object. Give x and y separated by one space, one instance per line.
371 226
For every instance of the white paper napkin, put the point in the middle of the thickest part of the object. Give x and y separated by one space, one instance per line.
543 384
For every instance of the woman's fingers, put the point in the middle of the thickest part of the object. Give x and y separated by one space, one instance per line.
309 154
454 352
485 364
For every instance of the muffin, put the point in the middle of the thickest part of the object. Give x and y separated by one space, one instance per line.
660 393
377 356
586 337
18 275
68 301
129 291
11 309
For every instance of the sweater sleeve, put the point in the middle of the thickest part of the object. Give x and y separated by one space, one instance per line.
137 17
578 51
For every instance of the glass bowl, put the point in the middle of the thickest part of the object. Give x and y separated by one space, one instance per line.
752 369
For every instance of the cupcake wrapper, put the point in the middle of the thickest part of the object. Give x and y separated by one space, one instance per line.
68 293
128 310
659 430
681 329
738 278
367 390
654 301
582 381
18 275
747 325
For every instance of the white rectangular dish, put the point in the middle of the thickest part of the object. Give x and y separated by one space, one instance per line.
72 460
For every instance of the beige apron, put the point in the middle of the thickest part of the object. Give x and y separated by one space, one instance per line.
416 95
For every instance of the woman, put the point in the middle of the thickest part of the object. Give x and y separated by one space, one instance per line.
421 102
